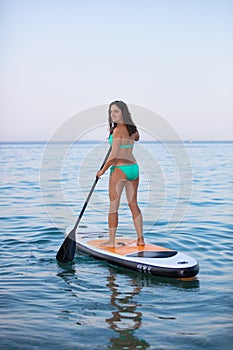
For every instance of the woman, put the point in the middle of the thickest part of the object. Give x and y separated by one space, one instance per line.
124 173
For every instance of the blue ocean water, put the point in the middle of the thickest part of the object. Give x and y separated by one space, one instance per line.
89 304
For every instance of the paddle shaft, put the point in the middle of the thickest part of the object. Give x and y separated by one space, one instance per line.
67 250
91 191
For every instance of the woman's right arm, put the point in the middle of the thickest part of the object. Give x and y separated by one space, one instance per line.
136 136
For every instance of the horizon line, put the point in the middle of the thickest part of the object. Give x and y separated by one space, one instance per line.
99 141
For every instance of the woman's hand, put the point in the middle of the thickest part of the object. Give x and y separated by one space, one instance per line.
99 173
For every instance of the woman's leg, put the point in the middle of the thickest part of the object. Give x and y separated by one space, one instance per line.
116 184
131 188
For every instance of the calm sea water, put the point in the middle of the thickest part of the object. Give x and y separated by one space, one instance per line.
90 304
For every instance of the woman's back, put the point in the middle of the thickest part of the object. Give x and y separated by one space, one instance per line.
123 144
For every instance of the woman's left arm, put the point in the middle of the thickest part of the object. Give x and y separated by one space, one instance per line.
113 155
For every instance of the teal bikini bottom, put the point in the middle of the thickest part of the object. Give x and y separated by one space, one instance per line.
131 171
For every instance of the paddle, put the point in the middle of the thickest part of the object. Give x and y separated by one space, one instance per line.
67 249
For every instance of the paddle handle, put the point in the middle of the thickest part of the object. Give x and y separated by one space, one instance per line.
91 191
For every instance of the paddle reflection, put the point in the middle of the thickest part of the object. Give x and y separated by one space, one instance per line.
126 319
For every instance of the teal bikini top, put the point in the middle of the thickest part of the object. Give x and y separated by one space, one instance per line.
110 140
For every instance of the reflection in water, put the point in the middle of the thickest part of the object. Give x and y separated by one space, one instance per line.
126 319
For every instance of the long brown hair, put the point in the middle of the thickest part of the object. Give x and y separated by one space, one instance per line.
127 119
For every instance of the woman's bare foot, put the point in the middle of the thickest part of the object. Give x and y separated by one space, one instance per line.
140 241
108 244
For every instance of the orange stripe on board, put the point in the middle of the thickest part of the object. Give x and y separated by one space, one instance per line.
129 247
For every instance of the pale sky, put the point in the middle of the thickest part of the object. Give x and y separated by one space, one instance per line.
61 57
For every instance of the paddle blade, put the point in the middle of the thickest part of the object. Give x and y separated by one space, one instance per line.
67 249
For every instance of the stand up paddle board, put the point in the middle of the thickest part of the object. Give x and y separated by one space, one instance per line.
150 259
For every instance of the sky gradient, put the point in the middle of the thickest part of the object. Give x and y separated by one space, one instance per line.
61 57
